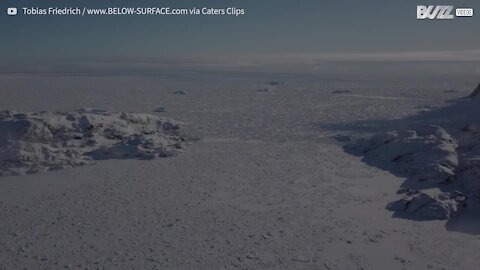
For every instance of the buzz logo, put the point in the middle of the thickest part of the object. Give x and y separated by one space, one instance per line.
435 12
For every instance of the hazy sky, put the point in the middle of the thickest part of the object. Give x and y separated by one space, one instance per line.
270 27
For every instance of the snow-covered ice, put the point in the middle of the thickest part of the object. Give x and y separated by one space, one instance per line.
444 152
42 141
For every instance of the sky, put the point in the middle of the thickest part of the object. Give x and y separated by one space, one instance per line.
272 31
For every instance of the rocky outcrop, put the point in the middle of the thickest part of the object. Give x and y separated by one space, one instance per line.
426 154
42 141
441 206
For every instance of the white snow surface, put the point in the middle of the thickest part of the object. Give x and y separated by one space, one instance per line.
266 186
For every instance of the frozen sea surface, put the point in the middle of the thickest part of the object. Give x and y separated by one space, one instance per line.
266 185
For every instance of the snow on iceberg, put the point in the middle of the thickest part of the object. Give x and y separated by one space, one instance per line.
43 141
